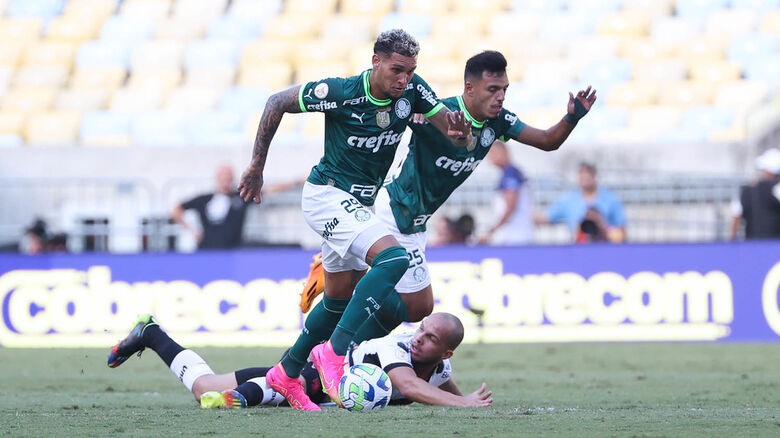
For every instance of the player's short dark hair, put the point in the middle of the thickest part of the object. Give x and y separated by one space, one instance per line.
455 336
488 61
590 167
396 41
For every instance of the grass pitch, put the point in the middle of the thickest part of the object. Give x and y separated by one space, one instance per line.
580 390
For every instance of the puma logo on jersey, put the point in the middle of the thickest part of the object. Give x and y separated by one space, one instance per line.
457 167
308 94
386 138
359 117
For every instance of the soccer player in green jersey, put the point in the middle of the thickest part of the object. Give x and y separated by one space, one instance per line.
434 168
365 117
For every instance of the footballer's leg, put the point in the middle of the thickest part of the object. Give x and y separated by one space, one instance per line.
397 308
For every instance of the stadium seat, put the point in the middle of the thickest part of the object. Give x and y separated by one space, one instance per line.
6 73
596 7
135 100
52 128
105 128
95 10
294 26
20 29
703 48
730 22
28 99
11 140
714 71
188 100
162 80
11 54
100 78
567 26
347 30
467 49
765 68
245 100
437 47
310 51
741 95
373 9
634 93
202 10
217 128
254 9
151 9
314 8
603 73
267 49
661 69
685 93
124 28
50 53
654 118
515 25
73 28
212 52
104 54
159 128
272 75
675 29
743 49
316 70
608 118
707 118
179 28
157 54
653 9
35 8
623 24
416 24
430 7
556 70
81 100
442 71
210 77
545 6
480 7
699 8
234 28
640 49
594 47
53 76
525 96
771 22
12 122
759 6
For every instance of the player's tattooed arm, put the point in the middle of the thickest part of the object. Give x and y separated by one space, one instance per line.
285 101
552 138
454 124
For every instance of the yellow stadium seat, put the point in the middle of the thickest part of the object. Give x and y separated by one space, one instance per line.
314 8
134 100
162 80
101 78
653 118
428 7
50 53
515 26
442 71
730 22
704 48
6 73
375 8
623 24
210 77
270 49
438 47
97 10
28 99
53 128
542 117
180 28
588 48
12 122
157 54
480 7
540 49
41 76
741 95
154 9
294 26
661 69
348 30
11 54
771 22
198 10
81 100
633 94
20 29
272 75
685 93
360 58
646 48
192 99
452 25
320 69
309 51
714 71
651 8
467 49
73 28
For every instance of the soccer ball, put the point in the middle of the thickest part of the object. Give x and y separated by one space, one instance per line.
365 387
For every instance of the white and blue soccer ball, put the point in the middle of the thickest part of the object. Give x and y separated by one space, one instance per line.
365 387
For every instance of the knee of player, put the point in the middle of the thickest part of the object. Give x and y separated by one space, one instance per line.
393 259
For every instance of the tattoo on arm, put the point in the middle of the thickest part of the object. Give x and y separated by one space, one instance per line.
285 101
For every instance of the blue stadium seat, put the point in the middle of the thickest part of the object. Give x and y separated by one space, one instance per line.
765 68
104 124
159 128
234 28
760 6
101 53
218 128
418 25
744 49
522 96
120 27
244 99
604 73
212 52
707 118
607 118
699 8
35 8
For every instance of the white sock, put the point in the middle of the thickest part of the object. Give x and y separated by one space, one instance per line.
188 366
270 396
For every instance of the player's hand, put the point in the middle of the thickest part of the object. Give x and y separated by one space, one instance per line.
479 398
251 184
458 126
585 98
419 119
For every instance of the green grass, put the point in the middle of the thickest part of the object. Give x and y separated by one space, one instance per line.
578 390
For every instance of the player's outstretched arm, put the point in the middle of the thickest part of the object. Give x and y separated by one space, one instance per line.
418 390
454 125
285 101
553 137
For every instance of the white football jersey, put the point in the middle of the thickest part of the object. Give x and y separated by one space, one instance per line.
393 351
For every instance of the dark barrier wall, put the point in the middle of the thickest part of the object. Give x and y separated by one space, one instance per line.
680 292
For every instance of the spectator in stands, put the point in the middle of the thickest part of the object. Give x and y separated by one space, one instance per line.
453 231
38 239
592 213
512 203
759 203
221 213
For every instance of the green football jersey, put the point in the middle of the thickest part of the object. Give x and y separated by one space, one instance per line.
362 133
434 167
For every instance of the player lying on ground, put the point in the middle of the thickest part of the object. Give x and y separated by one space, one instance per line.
433 168
418 366
365 117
